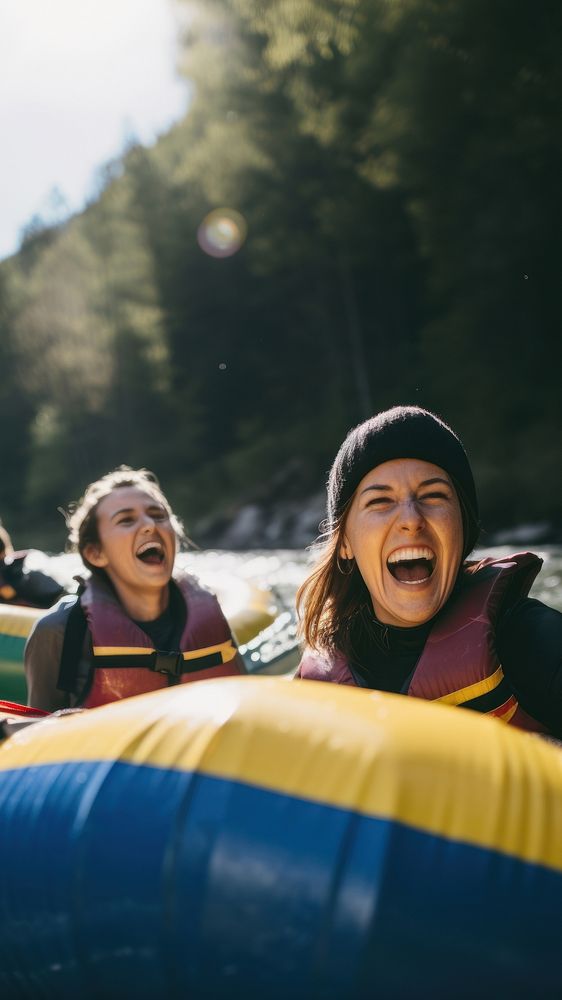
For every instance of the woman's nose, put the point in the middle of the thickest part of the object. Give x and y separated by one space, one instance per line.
411 517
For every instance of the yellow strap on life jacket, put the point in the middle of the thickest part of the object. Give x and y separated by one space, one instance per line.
226 649
472 690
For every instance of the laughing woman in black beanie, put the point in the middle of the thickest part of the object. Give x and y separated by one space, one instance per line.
393 603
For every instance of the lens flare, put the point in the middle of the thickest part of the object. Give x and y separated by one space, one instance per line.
222 232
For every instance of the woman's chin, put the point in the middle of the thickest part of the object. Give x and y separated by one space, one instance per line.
409 605
153 579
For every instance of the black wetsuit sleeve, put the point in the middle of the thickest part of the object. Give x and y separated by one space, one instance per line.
33 586
529 645
39 589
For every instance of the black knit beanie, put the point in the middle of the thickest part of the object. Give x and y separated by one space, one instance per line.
403 432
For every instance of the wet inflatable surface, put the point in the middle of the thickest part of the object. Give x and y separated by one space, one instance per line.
260 837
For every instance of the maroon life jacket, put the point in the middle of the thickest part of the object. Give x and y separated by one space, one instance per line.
459 664
125 661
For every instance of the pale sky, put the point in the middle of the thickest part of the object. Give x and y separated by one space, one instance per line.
76 78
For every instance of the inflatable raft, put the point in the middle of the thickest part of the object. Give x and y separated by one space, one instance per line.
251 610
256 837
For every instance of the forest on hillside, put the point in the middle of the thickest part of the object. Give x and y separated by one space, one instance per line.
394 167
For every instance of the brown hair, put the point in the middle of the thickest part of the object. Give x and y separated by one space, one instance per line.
334 596
81 518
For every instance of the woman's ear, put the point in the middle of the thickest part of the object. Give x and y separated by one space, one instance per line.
344 549
94 555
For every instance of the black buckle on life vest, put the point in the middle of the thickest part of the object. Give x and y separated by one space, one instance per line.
168 663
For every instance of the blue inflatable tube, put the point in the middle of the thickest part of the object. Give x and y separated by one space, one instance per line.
257 837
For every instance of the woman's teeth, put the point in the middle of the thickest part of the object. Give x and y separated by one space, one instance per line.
411 552
151 552
412 564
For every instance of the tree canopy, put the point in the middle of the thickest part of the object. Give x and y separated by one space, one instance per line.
394 167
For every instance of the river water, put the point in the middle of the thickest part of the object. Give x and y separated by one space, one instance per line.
283 570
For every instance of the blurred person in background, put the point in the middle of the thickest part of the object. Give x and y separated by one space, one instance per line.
136 625
20 584
394 603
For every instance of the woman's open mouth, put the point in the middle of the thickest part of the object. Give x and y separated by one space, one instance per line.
414 564
151 553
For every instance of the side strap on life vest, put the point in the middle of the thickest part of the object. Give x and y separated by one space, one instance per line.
73 644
